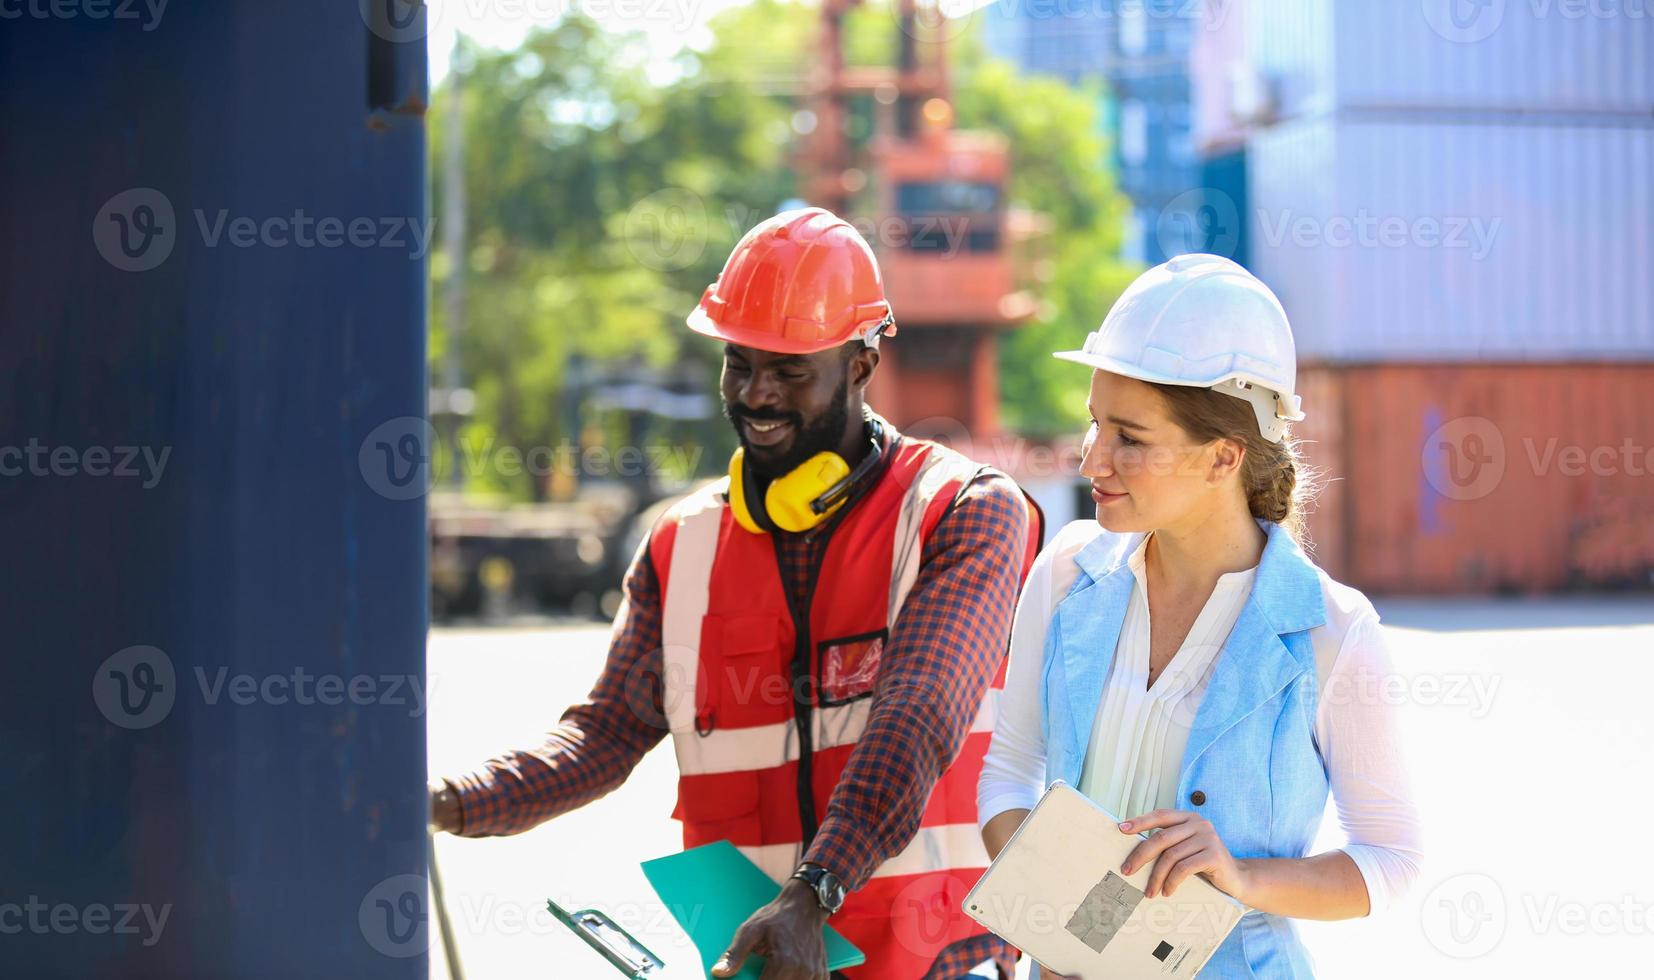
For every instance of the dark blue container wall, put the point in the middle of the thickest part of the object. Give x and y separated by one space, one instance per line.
1225 173
265 832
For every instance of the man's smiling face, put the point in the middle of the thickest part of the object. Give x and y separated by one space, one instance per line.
789 407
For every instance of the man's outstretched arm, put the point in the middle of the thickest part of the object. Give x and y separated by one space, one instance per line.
593 748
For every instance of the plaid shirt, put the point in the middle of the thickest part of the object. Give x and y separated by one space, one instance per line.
943 653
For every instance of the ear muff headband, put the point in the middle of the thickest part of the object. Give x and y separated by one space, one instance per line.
740 491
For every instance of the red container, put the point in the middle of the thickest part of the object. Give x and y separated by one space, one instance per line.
1483 478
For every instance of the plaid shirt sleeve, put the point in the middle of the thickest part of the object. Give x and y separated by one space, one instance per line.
943 653
596 744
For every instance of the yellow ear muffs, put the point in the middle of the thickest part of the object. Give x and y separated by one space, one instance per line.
789 498
805 497
790 501
738 488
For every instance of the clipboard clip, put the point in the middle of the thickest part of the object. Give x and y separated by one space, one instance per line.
614 943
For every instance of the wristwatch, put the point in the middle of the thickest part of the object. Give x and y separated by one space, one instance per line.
828 888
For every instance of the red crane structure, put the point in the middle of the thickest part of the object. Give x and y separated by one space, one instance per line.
933 198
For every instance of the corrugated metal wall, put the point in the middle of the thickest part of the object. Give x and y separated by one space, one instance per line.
1521 55
1531 55
1290 42
174 821
1411 241
1510 478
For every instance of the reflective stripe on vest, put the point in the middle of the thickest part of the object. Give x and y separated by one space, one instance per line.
727 644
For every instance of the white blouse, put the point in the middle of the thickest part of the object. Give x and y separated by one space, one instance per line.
1134 759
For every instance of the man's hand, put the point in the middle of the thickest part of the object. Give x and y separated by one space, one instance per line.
787 933
445 814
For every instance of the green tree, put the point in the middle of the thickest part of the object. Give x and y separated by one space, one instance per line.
1058 169
601 202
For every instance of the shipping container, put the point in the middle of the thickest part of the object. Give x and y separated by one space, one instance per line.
1419 242
1520 56
1454 478
1289 45
272 528
1222 99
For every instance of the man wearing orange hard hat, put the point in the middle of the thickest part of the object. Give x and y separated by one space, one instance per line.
822 634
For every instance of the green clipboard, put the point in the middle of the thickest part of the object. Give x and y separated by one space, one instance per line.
712 890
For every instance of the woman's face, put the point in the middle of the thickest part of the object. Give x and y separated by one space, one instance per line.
1145 472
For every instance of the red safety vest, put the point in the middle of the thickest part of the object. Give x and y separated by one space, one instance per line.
758 765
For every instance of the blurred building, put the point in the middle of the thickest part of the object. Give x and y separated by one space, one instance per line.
1453 202
1140 50
1038 39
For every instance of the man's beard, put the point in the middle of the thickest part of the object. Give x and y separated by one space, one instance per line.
823 435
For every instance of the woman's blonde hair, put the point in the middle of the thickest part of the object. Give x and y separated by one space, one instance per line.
1279 485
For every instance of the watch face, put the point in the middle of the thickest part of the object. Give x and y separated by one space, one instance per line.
832 892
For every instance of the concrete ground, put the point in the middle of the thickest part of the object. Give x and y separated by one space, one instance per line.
1528 728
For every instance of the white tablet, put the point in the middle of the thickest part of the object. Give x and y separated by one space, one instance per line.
1056 893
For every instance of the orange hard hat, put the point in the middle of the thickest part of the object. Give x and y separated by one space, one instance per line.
800 282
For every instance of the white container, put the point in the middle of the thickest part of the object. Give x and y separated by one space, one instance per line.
1406 241
1505 56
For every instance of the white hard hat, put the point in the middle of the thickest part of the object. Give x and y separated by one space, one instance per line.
1202 321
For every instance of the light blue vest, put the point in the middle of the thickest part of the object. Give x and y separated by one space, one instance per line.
1251 750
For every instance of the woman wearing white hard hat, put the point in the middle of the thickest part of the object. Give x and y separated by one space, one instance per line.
1179 660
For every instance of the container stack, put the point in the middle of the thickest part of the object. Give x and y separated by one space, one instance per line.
1453 202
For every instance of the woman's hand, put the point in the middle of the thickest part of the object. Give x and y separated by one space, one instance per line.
1186 844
